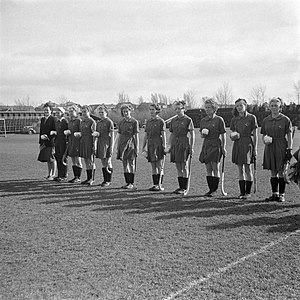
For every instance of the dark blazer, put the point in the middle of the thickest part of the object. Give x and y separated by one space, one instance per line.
47 125
60 139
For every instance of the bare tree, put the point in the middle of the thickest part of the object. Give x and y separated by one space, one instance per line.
190 98
297 91
25 101
140 100
159 98
154 98
258 94
203 99
224 95
122 97
61 100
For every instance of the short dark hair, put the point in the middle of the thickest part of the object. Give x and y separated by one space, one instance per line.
103 107
126 106
235 112
180 102
48 105
75 108
156 107
86 107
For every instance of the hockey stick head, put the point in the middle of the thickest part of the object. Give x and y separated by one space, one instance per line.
64 160
223 177
285 172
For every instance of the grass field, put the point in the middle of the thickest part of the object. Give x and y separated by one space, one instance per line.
64 241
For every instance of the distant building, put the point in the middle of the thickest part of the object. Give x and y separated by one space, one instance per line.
16 108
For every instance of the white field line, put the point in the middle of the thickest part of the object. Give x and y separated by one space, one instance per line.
229 266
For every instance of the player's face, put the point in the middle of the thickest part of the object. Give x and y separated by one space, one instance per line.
72 112
179 109
85 113
275 107
208 108
152 111
58 114
47 112
240 106
102 114
126 113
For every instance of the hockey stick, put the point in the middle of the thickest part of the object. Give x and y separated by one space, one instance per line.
223 177
170 119
65 155
162 172
285 172
254 175
94 167
189 178
93 159
288 162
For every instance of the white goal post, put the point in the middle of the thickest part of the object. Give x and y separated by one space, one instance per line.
2 128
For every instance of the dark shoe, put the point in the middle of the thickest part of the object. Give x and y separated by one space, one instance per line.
176 191
89 175
213 194
272 198
181 191
104 184
62 179
129 186
90 182
246 196
153 188
280 198
156 189
72 180
208 194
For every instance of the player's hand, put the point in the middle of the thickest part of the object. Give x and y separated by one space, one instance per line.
77 134
67 132
95 134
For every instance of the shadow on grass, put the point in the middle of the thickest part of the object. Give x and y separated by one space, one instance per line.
168 205
22 186
281 224
32 187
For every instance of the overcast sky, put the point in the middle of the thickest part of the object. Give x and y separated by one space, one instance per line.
89 51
